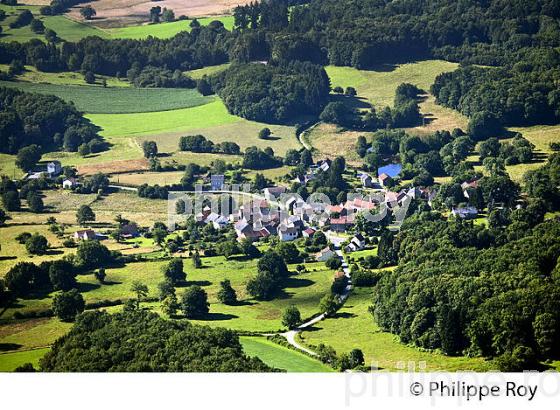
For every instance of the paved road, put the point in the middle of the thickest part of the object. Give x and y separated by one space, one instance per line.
301 137
291 335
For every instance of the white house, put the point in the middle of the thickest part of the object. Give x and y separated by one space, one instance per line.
358 242
468 212
324 255
54 168
288 233
69 183
85 235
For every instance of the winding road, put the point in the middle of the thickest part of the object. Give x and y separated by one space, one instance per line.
291 334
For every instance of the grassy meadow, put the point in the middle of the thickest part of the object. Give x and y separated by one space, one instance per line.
353 327
201 72
32 75
304 290
164 30
377 88
281 357
12 360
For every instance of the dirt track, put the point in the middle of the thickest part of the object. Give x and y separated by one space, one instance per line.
112 13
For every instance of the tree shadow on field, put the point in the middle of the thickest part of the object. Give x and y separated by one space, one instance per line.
6 347
243 303
345 315
297 283
87 287
200 283
7 258
219 316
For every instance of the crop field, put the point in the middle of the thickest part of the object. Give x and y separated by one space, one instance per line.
164 30
354 327
281 357
65 28
117 100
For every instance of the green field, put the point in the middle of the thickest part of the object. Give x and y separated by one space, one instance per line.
201 72
281 357
66 28
117 100
138 124
164 30
378 86
32 75
10 361
304 291
353 327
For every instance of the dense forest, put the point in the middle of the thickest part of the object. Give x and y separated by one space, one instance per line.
95 344
469 289
43 120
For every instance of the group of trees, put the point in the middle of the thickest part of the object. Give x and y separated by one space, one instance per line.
152 344
256 158
273 93
199 143
271 272
520 95
157 77
41 120
202 46
405 111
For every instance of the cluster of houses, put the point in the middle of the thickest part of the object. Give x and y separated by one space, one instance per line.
53 170
128 231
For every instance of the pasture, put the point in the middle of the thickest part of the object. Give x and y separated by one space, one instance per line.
117 100
354 327
377 88
164 30
12 360
210 70
304 290
32 75
540 136
281 357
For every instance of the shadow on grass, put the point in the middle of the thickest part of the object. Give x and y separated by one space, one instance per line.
87 287
297 283
5 347
200 283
